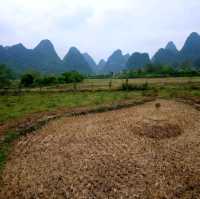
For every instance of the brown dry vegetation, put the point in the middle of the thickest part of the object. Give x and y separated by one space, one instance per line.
140 152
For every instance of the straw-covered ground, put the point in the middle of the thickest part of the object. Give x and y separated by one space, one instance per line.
149 151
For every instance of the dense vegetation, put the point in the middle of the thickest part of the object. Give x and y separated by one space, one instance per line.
35 79
159 70
6 76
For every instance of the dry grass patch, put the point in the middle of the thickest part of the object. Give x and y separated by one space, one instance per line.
103 156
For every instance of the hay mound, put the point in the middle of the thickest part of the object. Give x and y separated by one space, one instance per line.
160 130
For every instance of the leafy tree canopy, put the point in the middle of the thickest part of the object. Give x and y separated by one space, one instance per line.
72 77
5 76
27 80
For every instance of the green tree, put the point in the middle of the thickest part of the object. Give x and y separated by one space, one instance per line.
48 80
197 64
167 70
6 76
72 77
186 66
27 80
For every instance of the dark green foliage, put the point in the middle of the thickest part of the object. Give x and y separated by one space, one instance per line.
72 77
107 76
37 80
4 150
159 70
197 64
10 137
5 76
27 80
46 81
134 87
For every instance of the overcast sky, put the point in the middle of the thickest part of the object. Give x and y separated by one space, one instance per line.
99 26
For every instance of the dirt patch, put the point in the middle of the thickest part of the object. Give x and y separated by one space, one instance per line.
100 156
194 101
158 130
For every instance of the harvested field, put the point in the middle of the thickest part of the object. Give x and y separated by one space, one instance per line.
146 152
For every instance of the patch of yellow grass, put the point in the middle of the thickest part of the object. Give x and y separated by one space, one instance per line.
103 156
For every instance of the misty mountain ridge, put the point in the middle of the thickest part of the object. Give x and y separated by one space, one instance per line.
171 56
75 61
138 60
191 48
115 63
171 47
90 61
45 59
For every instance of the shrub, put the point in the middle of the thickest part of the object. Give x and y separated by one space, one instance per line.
71 77
134 87
27 80
46 81
5 76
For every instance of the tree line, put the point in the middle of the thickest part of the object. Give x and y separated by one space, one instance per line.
35 79
159 70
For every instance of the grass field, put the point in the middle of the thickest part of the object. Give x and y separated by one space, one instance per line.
104 84
16 106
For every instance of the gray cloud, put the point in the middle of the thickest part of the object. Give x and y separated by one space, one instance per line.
99 26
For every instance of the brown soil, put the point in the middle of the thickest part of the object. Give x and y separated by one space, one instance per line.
159 130
140 152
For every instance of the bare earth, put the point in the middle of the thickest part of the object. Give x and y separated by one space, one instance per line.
147 152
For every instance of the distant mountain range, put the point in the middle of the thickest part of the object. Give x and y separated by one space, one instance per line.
138 60
44 58
189 53
116 62
74 60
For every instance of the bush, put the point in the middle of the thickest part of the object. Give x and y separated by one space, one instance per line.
27 80
134 87
5 76
71 77
46 81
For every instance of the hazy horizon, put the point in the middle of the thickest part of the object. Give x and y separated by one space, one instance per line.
99 27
